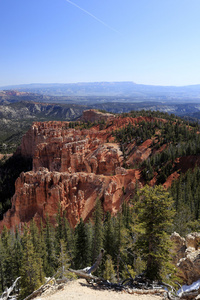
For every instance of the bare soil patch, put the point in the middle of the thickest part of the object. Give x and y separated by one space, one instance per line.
80 290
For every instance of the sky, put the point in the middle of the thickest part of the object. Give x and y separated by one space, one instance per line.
154 42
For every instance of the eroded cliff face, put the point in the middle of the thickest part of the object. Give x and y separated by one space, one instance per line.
72 167
71 150
187 258
39 193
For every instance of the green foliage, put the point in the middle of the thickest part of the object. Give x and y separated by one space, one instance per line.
129 272
97 242
31 271
186 193
17 252
49 235
82 254
180 140
63 259
6 265
138 133
109 272
109 235
135 240
154 221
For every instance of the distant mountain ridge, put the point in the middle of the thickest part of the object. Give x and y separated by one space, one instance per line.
125 89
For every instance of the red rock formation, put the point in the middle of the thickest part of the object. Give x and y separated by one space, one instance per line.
93 115
72 167
39 193
70 150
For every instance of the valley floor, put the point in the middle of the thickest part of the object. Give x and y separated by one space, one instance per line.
80 290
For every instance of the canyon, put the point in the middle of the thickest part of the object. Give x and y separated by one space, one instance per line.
76 163
72 167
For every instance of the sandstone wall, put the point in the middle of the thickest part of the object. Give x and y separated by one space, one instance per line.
39 193
71 167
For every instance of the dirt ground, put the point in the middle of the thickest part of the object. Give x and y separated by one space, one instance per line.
80 290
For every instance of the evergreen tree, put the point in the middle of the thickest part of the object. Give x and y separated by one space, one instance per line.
155 215
82 257
31 270
2 267
127 213
34 235
109 236
98 230
49 241
120 244
17 254
63 260
59 228
38 241
64 232
7 266
109 272
42 246
68 236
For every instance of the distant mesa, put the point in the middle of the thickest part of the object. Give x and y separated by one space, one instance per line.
124 89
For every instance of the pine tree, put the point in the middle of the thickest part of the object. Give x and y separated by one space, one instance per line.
2 267
38 241
34 235
42 247
51 256
17 254
31 270
155 215
63 260
120 244
68 235
127 215
109 272
98 230
82 257
59 228
64 232
109 236
7 266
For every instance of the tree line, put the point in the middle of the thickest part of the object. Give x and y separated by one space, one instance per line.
135 240
186 194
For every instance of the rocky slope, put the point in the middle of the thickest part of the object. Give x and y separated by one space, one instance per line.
187 257
73 167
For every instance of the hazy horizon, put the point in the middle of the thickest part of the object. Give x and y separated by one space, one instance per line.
92 82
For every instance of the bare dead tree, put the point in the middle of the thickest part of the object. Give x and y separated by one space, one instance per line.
6 294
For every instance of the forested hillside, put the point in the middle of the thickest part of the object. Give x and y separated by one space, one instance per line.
33 252
143 169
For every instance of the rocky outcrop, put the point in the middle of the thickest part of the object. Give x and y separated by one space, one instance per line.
61 149
187 256
93 115
39 193
72 167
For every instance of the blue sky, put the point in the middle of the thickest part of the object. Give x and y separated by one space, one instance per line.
146 41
